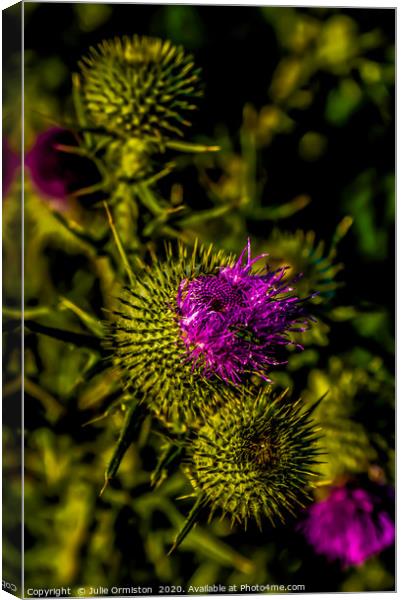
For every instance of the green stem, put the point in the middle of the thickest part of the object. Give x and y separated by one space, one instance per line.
28 313
119 245
189 147
148 199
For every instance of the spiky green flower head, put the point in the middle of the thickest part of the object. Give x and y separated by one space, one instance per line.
255 457
146 339
139 89
303 255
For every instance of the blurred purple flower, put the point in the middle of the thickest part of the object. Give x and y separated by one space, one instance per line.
351 524
10 163
236 322
55 172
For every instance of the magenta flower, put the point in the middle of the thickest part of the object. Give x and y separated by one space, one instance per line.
57 173
237 322
351 525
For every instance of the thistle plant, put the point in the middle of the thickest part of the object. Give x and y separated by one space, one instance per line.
254 458
134 97
189 363
194 323
138 91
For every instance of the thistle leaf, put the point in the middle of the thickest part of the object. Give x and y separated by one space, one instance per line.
190 147
171 452
90 322
77 339
133 420
119 245
189 523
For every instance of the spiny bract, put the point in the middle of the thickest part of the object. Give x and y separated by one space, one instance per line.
254 457
140 87
307 258
146 340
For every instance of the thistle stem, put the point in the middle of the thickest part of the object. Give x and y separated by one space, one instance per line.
119 245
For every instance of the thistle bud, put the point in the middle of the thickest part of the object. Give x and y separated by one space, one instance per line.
254 458
139 87
301 252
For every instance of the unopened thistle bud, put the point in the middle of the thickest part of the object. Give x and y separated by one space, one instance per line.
194 322
140 87
255 457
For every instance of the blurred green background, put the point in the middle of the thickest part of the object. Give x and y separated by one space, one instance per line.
301 102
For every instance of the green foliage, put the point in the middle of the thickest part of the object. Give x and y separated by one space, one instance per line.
349 446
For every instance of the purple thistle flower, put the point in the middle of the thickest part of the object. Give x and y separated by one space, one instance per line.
350 525
56 173
237 322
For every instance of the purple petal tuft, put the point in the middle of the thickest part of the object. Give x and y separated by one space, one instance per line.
351 525
237 322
